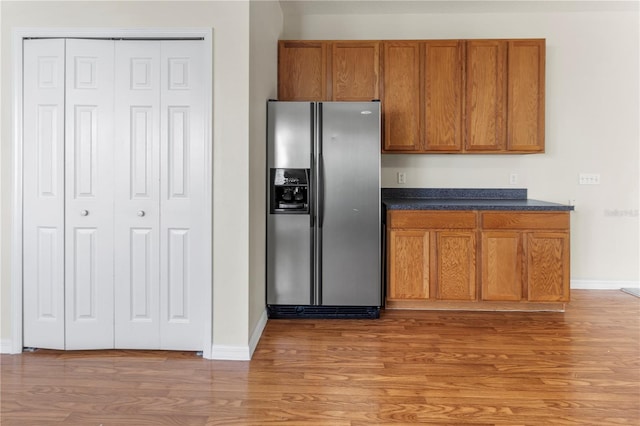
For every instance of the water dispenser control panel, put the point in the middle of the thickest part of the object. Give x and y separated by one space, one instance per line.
289 191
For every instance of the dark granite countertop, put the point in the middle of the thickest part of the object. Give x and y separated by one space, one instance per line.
465 199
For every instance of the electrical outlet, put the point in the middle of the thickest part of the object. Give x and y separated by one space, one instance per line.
589 179
402 177
513 179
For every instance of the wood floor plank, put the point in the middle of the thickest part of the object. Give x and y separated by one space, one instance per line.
580 367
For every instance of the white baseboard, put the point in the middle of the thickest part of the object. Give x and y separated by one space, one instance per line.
230 353
603 285
241 353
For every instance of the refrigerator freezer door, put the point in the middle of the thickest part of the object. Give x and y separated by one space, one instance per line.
350 214
290 138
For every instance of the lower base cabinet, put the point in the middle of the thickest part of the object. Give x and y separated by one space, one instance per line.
435 264
477 260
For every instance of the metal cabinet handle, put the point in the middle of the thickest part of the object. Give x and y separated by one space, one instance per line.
141 213
84 213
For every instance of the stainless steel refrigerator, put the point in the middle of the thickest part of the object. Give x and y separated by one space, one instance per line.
323 215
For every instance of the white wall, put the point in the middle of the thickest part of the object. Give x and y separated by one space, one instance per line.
266 26
230 23
592 110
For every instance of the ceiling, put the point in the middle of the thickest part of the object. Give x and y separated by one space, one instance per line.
386 7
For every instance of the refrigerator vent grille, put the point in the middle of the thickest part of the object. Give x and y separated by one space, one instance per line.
346 312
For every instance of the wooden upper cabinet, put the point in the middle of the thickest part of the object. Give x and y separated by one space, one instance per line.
526 88
442 77
422 98
326 70
302 70
438 96
355 70
486 67
505 86
401 96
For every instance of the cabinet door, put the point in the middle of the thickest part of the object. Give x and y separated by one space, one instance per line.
442 79
355 70
401 97
408 266
547 266
525 112
456 265
501 254
485 95
302 71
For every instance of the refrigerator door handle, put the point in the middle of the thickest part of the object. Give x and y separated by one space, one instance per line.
320 166
320 221
311 195
320 190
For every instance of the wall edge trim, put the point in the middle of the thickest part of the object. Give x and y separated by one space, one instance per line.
257 332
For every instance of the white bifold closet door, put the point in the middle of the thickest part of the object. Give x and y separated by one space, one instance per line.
114 184
43 194
89 189
137 195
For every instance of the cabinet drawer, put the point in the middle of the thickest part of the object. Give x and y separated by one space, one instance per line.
428 219
529 220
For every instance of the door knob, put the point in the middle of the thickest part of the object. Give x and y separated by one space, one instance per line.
141 213
84 213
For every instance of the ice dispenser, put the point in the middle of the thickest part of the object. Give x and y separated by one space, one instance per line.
289 191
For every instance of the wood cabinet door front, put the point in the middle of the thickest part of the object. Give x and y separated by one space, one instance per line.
355 70
548 266
401 97
408 264
456 265
501 265
485 95
302 71
525 113
443 95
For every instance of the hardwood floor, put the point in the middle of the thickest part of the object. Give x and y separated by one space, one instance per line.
466 368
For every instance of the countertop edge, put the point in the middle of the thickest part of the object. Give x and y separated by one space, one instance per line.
418 206
495 199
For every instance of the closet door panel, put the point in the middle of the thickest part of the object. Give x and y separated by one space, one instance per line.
137 180
116 251
43 194
89 194
183 273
